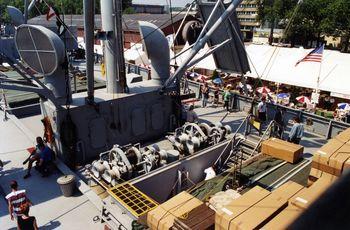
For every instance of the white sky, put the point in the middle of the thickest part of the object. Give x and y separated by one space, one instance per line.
174 3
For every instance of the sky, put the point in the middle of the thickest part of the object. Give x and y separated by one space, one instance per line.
174 3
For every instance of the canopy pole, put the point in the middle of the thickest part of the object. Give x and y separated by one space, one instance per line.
319 75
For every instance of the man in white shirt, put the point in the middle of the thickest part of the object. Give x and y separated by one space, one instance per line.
15 199
262 109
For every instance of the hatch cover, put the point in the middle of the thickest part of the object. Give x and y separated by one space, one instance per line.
136 202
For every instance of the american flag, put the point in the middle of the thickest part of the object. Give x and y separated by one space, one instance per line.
51 13
314 56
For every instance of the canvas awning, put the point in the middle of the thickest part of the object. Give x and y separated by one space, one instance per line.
277 64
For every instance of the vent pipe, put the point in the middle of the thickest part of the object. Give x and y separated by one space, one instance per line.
89 24
156 47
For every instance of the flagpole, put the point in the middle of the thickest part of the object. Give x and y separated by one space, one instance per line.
319 72
319 75
60 20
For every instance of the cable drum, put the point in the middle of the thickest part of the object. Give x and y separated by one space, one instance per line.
191 31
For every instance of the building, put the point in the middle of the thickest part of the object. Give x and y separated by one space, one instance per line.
130 24
150 9
247 13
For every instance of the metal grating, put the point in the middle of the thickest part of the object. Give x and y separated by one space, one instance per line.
136 202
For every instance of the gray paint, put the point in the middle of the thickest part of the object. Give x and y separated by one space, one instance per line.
110 45
132 116
233 56
44 52
158 184
157 49
16 15
206 34
89 24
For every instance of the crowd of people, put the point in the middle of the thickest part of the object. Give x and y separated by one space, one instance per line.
259 112
290 96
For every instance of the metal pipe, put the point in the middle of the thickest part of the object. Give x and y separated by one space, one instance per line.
210 52
107 17
202 41
118 30
182 52
31 5
26 3
89 24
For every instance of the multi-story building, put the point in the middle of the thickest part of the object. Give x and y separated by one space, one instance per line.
247 13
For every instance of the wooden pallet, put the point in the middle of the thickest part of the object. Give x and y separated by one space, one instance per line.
200 218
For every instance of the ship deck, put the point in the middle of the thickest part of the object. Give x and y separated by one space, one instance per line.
51 209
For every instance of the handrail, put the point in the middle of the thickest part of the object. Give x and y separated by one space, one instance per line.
228 158
232 139
262 136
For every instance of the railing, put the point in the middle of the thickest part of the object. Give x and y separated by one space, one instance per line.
322 126
231 142
267 131
144 72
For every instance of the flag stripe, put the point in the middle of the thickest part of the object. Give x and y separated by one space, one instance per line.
50 14
314 56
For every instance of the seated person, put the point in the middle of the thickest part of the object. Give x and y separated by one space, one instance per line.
192 116
42 155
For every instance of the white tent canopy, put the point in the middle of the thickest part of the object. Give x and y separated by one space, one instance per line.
277 64
206 63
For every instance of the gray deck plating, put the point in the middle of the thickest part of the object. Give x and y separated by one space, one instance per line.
54 210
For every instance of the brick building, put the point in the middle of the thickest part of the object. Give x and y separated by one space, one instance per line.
130 24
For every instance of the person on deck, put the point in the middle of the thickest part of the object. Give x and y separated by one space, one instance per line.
15 199
205 94
216 96
297 131
262 109
26 222
42 155
278 118
227 97
192 116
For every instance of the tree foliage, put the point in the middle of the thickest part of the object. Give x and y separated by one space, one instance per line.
310 20
60 6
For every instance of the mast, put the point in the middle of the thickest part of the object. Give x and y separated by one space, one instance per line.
113 45
89 19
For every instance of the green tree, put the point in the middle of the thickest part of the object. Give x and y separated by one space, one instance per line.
4 17
309 22
129 10
273 12
62 6
337 22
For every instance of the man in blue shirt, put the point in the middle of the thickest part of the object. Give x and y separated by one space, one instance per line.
297 131
42 155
